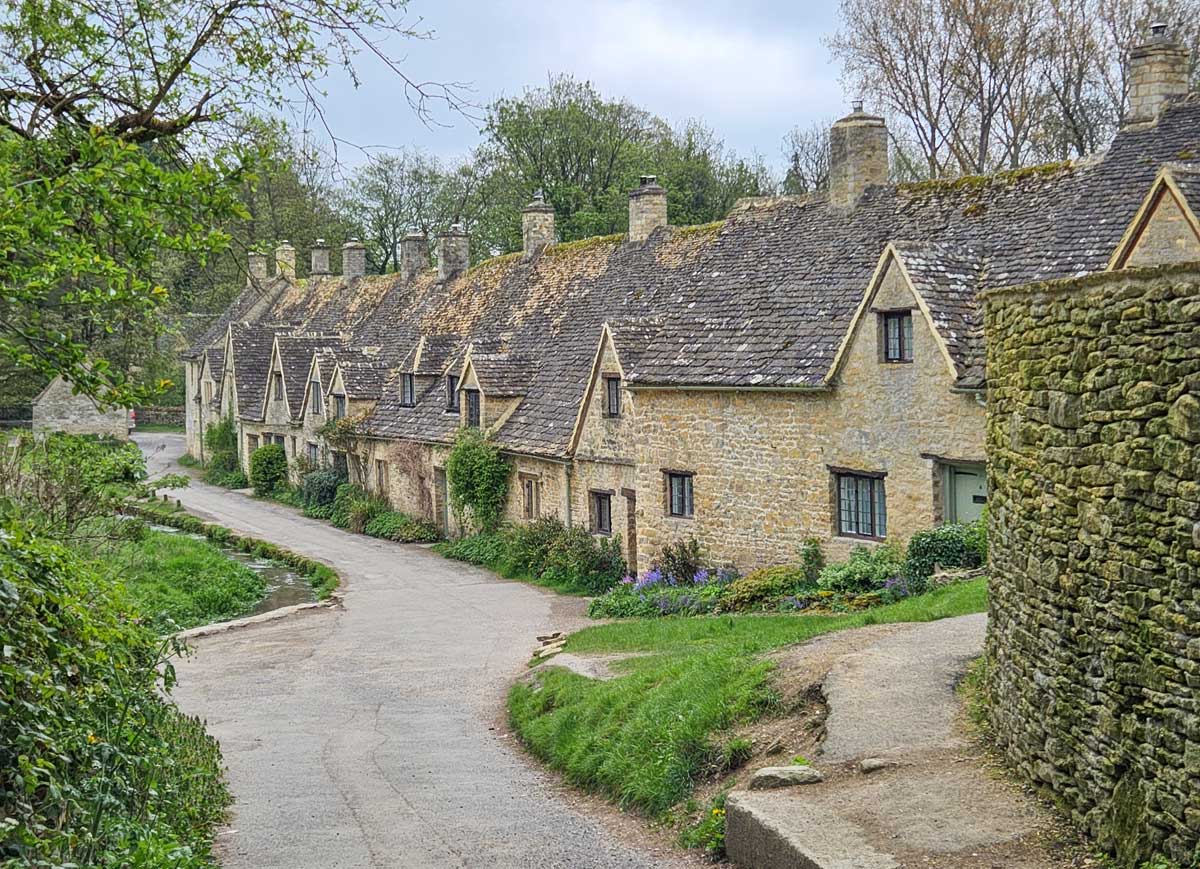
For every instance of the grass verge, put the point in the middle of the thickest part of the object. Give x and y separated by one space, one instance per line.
646 738
323 579
158 428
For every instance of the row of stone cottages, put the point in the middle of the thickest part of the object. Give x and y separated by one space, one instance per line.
809 367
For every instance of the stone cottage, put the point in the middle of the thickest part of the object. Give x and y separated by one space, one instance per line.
58 408
809 367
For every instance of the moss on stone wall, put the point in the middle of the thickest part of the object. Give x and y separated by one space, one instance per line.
1094 632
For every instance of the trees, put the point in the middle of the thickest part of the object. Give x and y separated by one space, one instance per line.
120 145
981 85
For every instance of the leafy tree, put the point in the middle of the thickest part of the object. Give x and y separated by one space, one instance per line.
120 144
478 479
268 469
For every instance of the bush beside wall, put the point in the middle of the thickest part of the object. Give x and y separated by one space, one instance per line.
1094 467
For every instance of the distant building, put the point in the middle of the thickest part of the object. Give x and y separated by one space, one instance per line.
58 409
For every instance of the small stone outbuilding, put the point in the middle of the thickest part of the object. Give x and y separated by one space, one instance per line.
58 408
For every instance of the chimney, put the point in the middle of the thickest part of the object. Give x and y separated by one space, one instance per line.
354 259
858 156
414 256
258 269
285 260
1158 73
320 258
453 252
537 224
647 208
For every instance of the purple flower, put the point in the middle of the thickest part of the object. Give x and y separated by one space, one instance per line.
628 580
701 577
651 577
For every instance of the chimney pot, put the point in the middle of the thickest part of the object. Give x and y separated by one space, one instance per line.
258 269
647 208
858 156
354 259
285 260
857 106
414 256
454 252
1158 73
537 224
320 258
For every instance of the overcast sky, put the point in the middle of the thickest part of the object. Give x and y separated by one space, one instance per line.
751 70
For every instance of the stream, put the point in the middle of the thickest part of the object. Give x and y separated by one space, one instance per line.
285 587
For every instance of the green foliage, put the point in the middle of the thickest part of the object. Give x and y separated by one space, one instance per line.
708 832
977 539
948 545
402 528
222 436
764 586
682 559
225 470
545 552
320 487
97 768
268 469
478 480
645 737
354 507
812 560
864 571
175 581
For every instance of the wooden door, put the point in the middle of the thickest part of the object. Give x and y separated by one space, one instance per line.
630 496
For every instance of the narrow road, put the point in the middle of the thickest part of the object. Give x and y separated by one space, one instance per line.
364 736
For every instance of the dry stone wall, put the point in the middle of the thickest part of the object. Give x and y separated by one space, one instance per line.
1094 630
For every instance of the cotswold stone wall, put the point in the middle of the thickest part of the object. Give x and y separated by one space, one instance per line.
160 415
1094 629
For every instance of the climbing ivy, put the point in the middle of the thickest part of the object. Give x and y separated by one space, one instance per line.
478 479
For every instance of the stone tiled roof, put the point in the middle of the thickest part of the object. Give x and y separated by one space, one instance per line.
503 375
295 358
250 346
216 365
364 380
1187 179
762 299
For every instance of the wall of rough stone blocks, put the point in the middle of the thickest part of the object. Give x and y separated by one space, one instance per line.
58 410
1094 624
762 460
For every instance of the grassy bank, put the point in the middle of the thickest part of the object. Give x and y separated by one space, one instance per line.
645 738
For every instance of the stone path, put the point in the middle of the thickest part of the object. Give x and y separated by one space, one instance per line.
933 806
367 735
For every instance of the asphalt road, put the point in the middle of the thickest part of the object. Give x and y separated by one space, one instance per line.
369 735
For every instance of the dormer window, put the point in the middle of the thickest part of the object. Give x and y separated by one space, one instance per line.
612 396
473 415
897 336
316 401
408 390
452 393
277 386
339 405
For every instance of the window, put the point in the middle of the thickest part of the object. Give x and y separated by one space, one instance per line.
473 417
315 403
408 390
452 393
340 466
294 453
679 494
314 454
339 405
897 336
251 443
277 386
612 396
601 512
208 391
275 439
381 476
861 506
531 496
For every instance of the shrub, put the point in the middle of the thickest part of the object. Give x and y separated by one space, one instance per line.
577 561
865 570
528 546
222 436
320 487
353 507
977 541
483 549
655 593
392 525
764 586
812 560
682 559
101 768
478 479
223 470
268 469
950 546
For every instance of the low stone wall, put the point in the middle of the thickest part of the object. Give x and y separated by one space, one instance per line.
1094 629
159 415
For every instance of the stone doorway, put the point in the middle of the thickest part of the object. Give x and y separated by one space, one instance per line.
630 497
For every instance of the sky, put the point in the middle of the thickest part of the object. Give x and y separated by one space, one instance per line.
751 70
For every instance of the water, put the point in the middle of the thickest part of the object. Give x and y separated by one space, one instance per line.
285 587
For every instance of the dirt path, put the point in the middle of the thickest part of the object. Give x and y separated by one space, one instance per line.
934 805
367 736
